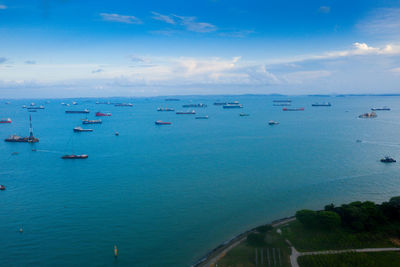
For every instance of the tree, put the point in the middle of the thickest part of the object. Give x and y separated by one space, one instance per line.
264 228
328 219
256 239
307 217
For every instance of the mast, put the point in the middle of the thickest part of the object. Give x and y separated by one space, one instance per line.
30 128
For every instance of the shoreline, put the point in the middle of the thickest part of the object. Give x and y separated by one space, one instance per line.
215 254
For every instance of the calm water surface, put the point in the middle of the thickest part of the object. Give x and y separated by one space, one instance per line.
165 195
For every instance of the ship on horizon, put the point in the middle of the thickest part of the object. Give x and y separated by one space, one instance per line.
326 104
77 111
186 112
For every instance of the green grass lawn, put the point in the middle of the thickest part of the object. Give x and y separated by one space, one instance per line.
244 255
370 259
305 239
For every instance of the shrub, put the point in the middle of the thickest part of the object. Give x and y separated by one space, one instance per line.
328 219
264 228
256 239
308 218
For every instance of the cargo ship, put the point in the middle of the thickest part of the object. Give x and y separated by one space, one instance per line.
194 105
186 112
220 103
379 109
230 105
86 121
368 115
244 114
165 109
123 105
293 109
388 160
80 129
83 156
282 104
18 139
35 107
77 111
282 101
99 114
162 122
202 117
327 104
8 120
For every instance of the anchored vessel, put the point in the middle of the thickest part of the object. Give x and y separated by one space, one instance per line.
220 103
327 104
388 160
99 114
86 121
186 112
165 109
293 109
194 105
8 120
77 111
282 101
83 156
233 105
202 117
382 108
123 105
34 107
159 122
271 122
19 139
368 115
80 129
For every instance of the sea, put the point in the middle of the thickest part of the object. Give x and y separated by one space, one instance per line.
165 195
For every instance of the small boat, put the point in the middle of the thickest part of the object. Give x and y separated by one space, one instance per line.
282 104
24 106
230 105
86 121
233 103
117 133
32 110
220 103
80 129
388 160
282 101
74 103
202 117
326 104
359 141
186 112
368 115
379 109
100 114
293 109
83 156
2 187
244 114
165 109
271 122
162 122
194 105
77 111
8 120
123 105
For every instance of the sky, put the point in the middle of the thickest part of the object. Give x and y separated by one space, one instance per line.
75 48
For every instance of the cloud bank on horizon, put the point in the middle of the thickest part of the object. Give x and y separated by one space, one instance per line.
210 47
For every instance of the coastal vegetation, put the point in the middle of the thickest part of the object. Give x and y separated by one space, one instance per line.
349 226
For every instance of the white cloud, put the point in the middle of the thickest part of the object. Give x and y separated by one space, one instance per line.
383 21
97 70
2 60
135 58
31 62
164 18
120 18
300 77
324 9
3 7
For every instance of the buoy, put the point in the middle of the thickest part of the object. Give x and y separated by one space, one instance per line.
20 230
115 251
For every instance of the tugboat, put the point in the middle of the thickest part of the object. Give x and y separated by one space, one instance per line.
159 122
86 121
368 115
186 112
165 109
80 129
244 114
77 111
19 139
271 122
99 114
8 120
379 109
83 156
293 109
2 187
388 160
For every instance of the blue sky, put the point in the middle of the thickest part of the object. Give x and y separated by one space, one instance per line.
142 48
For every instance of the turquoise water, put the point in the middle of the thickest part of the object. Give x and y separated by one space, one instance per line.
165 195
